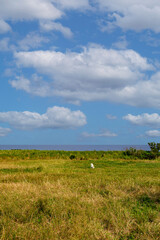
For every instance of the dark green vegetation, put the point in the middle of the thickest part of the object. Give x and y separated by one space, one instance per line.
130 153
56 195
155 147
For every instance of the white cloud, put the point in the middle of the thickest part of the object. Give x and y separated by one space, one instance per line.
4 131
132 14
54 26
28 10
35 86
104 133
72 4
4 27
153 133
32 40
4 44
145 119
110 67
55 117
121 43
94 74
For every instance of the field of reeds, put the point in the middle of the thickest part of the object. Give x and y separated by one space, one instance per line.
55 195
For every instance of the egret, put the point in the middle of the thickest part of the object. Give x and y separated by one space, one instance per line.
92 166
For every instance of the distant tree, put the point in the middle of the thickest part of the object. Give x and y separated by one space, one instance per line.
155 148
72 157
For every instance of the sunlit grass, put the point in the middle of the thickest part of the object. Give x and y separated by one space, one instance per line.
49 198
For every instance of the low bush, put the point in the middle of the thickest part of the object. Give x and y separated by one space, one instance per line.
72 157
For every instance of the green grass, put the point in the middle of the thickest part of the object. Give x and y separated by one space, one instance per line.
46 195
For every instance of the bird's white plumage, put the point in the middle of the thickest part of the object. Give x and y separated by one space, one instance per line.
92 166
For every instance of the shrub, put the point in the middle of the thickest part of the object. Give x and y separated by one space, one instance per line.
131 152
155 147
72 157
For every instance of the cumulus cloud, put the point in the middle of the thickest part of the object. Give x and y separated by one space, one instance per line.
153 133
4 27
54 118
4 44
32 40
133 14
28 10
93 74
104 133
4 131
145 119
54 26
145 93
72 4
35 86
121 43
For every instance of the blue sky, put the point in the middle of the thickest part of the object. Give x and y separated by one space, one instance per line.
79 72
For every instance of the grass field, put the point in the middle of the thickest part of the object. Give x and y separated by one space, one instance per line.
50 196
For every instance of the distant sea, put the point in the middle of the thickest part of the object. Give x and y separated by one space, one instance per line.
75 147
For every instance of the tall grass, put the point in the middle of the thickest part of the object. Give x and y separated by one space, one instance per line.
49 198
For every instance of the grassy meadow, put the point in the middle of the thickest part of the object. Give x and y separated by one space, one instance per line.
47 195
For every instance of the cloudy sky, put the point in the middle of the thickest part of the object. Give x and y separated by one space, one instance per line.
79 72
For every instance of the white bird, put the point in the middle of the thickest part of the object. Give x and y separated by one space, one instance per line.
92 166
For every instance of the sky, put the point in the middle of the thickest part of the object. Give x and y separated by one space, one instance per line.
79 72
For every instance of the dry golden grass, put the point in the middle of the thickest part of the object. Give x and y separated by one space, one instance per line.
65 199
